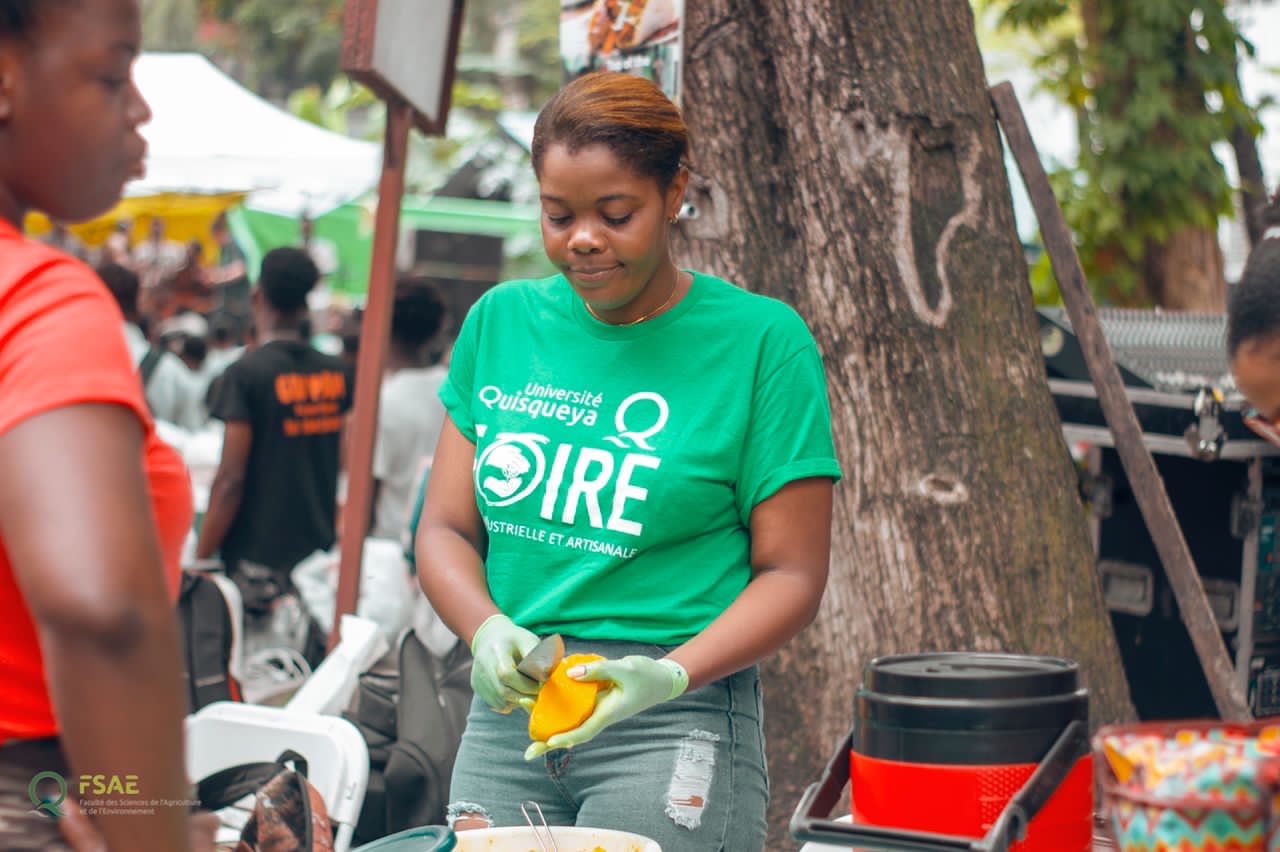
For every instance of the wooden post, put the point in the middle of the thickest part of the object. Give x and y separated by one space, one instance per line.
406 52
1138 464
374 329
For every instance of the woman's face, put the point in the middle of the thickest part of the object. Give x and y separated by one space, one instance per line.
606 227
1256 367
69 111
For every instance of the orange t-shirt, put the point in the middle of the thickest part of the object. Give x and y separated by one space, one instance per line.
62 343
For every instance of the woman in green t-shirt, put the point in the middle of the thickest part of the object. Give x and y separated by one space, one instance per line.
639 458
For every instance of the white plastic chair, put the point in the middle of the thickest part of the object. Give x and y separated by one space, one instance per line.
333 683
226 734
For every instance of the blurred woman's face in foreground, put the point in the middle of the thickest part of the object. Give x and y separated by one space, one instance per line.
69 110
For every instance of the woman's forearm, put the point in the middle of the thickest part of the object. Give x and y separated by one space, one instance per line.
225 496
791 554
97 670
775 606
452 575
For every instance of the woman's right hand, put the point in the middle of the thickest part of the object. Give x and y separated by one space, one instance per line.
498 645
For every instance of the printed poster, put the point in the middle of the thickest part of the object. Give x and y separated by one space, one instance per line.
644 37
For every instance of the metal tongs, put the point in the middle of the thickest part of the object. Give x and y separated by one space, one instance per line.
537 830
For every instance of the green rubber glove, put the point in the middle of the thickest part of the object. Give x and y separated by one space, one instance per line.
497 646
631 684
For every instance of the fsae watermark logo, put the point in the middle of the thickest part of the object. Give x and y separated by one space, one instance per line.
48 790
108 785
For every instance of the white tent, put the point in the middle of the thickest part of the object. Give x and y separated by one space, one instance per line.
209 134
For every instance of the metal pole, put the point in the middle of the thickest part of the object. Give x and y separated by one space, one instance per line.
374 329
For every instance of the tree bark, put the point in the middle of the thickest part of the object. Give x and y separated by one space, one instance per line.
847 161
1253 184
1186 273
1183 272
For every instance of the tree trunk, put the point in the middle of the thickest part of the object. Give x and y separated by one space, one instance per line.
1185 273
1253 184
847 161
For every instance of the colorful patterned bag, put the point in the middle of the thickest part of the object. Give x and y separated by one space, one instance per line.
1191 786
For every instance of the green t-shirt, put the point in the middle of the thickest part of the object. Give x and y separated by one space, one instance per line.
617 466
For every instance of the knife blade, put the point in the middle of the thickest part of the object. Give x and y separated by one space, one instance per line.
542 658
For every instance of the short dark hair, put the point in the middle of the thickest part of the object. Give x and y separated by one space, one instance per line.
195 348
123 285
1254 308
627 114
418 312
288 275
19 18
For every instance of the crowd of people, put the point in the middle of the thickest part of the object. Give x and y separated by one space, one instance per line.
187 320
276 398
174 277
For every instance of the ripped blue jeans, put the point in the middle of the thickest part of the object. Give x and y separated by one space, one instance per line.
688 773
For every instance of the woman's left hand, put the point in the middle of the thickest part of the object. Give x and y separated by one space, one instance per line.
630 685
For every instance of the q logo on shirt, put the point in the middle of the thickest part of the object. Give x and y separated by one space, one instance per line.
639 438
510 468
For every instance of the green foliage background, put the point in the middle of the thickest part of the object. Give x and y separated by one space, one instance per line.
1152 92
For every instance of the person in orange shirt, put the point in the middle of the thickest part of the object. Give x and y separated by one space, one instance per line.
93 506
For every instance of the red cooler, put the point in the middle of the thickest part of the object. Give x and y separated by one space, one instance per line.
963 751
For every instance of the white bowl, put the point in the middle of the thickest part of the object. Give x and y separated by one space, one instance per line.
569 839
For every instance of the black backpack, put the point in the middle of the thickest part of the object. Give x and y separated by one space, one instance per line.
413 726
207 641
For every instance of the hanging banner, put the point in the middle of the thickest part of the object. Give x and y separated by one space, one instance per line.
642 37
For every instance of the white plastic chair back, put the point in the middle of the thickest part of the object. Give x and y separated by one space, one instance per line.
333 683
227 734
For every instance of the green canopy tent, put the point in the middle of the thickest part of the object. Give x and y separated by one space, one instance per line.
349 228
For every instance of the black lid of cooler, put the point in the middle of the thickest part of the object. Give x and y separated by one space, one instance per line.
971 675
966 708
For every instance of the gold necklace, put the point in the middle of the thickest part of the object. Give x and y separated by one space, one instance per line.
653 313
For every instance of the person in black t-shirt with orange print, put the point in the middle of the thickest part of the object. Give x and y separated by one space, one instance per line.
273 499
